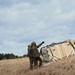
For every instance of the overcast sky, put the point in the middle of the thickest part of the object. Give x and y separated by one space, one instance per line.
24 21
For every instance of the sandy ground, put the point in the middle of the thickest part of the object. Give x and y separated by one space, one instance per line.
21 67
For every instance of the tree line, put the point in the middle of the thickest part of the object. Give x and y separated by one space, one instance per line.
10 56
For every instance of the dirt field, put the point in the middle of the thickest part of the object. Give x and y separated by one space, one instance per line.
21 67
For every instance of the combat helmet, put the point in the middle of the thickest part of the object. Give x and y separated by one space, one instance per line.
33 43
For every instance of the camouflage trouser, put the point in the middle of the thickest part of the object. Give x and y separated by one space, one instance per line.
36 59
31 62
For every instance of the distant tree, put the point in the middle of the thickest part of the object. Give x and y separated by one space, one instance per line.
17 56
11 56
25 55
1 56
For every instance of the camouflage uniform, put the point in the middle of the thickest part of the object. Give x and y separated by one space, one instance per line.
36 53
31 57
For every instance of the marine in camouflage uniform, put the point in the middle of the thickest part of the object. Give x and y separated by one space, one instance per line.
30 55
36 53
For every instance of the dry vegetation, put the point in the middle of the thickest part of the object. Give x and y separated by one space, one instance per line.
21 67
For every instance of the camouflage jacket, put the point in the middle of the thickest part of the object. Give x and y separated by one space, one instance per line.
35 50
30 52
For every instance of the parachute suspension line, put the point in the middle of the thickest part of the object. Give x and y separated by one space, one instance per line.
58 51
73 52
73 47
51 52
53 57
65 50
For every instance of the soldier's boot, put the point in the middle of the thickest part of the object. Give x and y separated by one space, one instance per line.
40 62
31 63
35 63
31 66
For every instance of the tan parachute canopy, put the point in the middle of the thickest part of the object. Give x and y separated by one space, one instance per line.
59 50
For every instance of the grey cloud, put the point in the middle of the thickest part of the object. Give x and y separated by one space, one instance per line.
24 22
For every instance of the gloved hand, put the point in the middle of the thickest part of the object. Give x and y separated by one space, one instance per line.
42 42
